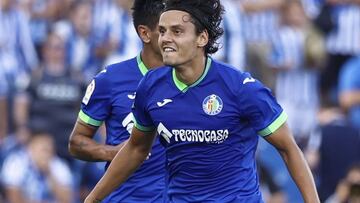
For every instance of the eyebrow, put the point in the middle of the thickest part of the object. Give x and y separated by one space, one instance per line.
172 26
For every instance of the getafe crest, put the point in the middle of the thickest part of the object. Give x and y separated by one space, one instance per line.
212 105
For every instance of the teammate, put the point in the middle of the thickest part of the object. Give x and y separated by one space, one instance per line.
209 116
109 98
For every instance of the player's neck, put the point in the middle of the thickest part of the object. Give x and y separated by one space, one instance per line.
190 72
150 58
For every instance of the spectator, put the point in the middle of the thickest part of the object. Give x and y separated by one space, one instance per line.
35 174
260 22
333 147
342 41
349 90
127 42
52 97
41 14
297 62
17 52
348 189
80 40
232 43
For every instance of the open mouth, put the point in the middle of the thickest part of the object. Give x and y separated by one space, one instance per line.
168 49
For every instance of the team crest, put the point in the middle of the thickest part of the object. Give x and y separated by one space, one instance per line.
212 105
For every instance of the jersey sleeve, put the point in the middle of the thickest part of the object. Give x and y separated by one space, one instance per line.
259 107
96 103
142 118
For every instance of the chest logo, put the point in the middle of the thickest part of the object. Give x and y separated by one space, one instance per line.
212 105
132 96
164 102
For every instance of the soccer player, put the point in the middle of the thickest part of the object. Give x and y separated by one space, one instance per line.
207 114
109 98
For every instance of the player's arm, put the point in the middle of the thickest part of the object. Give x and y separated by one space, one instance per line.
82 145
295 162
126 161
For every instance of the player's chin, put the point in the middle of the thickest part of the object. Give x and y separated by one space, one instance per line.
169 61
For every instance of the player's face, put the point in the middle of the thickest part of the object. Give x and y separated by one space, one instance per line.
178 39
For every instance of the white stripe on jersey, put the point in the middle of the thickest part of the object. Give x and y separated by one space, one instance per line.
346 38
298 84
232 48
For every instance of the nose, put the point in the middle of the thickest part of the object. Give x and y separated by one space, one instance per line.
165 37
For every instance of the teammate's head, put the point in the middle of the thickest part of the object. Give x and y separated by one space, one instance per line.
146 15
206 15
147 12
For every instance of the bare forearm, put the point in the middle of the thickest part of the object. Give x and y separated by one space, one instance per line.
127 160
87 149
301 174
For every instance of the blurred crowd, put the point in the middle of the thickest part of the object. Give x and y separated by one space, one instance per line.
306 51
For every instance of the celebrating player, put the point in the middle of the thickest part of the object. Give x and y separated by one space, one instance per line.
109 98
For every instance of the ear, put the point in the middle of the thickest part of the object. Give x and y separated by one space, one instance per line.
144 33
203 39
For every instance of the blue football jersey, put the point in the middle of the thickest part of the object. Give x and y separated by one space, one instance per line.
108 99
210 130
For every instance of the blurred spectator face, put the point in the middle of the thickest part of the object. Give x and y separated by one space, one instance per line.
354 176
5 4
54 50
41 150
293 14
81 18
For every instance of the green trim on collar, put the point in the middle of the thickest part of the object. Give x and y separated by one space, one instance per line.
184 87
143 69
88 120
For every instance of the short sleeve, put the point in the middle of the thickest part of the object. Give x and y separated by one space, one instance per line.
61 172
259 107
14 170
95 105
142 118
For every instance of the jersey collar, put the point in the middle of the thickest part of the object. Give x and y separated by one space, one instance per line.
184 87
143 69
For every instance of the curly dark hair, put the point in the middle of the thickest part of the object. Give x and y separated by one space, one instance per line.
206 15
147 12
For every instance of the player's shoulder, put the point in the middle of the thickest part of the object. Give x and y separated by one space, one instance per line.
116 71
121 67
233 76
155 75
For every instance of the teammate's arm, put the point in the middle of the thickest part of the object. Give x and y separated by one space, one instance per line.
126 161
82 145
295 162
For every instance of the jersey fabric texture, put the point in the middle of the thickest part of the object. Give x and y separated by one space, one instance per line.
108 99
210 130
